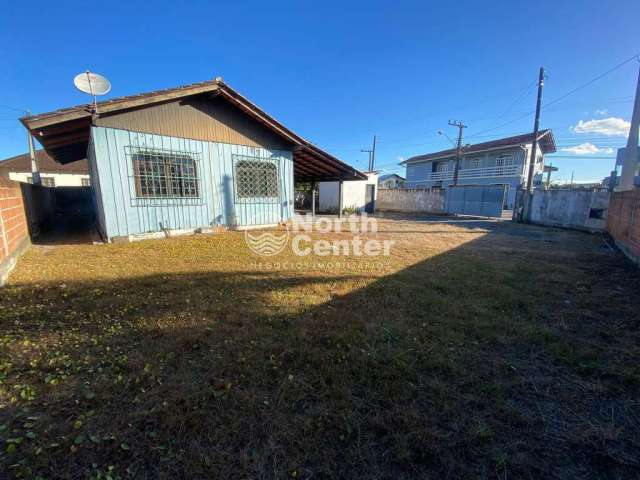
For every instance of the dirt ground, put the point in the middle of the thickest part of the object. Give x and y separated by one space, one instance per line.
477 349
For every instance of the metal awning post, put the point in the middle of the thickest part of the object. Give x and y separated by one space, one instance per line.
340 198
313 200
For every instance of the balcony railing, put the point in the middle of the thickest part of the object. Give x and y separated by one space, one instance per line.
506 171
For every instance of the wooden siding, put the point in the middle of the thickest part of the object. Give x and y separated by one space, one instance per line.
121 213
197 118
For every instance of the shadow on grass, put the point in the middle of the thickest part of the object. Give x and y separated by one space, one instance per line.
444 369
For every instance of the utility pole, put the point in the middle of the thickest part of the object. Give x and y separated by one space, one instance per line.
631 152
571 184
458 149
536 128
369 152
372 154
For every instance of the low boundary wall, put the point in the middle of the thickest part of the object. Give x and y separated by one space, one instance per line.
623 222
411 200
14 230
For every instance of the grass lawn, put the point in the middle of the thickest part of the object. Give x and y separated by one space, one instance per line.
477 350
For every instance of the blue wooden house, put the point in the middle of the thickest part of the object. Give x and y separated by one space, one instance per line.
186 158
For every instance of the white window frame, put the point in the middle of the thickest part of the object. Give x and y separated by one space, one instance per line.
505 160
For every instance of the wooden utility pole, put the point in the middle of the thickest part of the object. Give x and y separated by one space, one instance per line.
536 128
456 170
630 162
373 154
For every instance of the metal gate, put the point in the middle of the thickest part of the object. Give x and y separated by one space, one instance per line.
369 198
481 200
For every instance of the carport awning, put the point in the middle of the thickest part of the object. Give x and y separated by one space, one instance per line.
64 134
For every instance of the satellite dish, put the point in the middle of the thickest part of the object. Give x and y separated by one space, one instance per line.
93 84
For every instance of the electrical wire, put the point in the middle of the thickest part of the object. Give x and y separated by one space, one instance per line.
592 81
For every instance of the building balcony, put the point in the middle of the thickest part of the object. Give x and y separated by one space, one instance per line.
469 173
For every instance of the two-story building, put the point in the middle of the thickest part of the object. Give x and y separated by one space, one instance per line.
391 180
498 162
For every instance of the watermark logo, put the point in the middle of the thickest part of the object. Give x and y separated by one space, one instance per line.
266 244
303 243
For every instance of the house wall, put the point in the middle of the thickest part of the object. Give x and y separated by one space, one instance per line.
198 118
390 183
60 179
353 194
418 172
14 233
96 189
623 222
121 213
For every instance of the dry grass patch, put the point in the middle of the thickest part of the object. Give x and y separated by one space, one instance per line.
475 350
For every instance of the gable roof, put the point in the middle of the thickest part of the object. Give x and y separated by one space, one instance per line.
65 133
46 164
545 138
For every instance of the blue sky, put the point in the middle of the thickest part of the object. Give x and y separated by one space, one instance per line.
338 72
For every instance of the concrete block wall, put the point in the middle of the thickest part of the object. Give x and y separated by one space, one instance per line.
14 232
411 200
577 209
623 222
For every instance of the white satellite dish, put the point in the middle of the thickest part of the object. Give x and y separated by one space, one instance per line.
93 84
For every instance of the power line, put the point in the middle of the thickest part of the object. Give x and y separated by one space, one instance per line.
593 80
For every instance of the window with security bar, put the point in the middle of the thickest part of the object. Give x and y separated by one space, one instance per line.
256 178
165 174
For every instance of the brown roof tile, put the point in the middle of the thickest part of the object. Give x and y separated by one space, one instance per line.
545 137
46 164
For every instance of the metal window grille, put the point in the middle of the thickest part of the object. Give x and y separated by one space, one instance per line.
160 173
85 182
256 178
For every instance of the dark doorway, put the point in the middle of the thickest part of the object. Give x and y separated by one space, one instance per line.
370 195
60 215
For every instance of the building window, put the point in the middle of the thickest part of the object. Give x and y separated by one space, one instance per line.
504 160
442 167
85 182
475 163
165 174
256 178
47 181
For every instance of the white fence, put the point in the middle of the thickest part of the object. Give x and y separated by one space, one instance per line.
413 200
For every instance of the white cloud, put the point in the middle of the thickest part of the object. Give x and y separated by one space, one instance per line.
611 127
401 159
586 149
602 112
